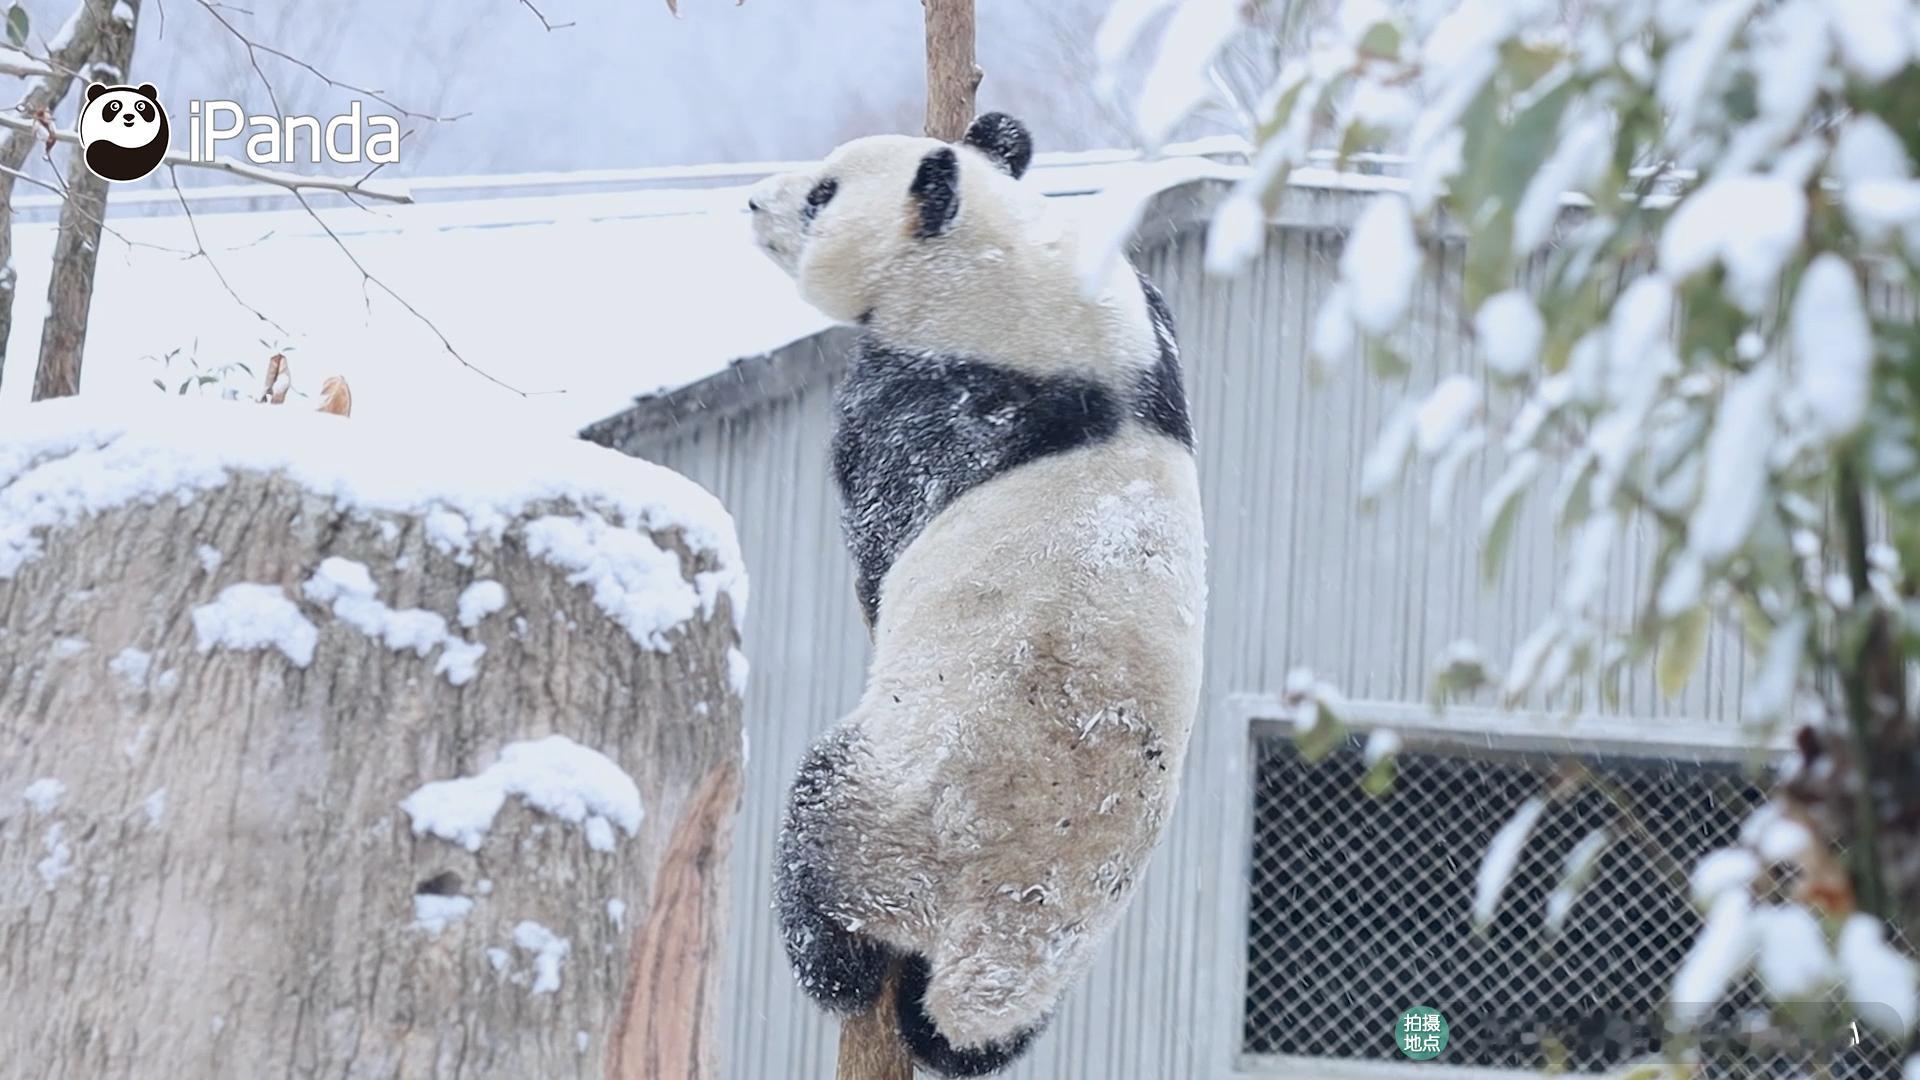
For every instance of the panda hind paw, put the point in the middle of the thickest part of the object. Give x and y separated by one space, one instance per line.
931 1050
841 970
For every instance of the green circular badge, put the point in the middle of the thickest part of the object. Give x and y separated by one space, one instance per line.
1421 1032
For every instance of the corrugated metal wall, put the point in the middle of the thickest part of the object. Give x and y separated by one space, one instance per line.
1300 576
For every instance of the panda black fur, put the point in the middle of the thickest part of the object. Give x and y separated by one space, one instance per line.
1014 458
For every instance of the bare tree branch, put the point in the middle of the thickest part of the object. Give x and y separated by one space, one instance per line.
59 186
367 278
538 14
255 48
19 63
201 252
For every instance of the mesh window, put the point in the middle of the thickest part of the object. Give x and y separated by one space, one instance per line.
1360 909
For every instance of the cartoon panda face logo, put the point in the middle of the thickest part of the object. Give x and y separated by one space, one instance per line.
123 131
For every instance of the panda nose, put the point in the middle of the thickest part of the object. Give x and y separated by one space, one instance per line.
127 119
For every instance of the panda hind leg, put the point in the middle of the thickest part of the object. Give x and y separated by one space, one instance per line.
841 969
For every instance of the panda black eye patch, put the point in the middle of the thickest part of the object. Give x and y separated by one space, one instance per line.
822 194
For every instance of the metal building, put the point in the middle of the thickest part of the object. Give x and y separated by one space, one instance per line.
1288 917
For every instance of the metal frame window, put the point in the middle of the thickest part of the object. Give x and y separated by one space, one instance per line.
1346 909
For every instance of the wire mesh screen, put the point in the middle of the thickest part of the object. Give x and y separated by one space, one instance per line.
1360 909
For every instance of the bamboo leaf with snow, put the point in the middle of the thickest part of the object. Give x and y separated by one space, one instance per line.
1502 859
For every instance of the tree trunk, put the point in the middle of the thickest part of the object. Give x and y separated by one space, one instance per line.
870 1046
77 250
68 52
211 873
952 75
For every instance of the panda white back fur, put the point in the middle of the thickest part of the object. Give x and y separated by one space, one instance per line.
1019 496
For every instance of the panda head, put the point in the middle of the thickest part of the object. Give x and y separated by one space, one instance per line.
889 221
123 130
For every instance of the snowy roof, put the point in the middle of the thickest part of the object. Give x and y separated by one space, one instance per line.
586 299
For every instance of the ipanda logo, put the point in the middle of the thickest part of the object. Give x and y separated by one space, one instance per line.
124 133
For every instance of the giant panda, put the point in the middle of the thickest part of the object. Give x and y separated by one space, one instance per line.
1015 463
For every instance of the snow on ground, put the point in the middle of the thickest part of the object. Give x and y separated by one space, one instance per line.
63 461
583 300
554 775
586 299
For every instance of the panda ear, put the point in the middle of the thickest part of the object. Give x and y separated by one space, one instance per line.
147 91
936 192
1004 140
94 90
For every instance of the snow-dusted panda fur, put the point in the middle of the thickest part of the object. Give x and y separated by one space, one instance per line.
1019 496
